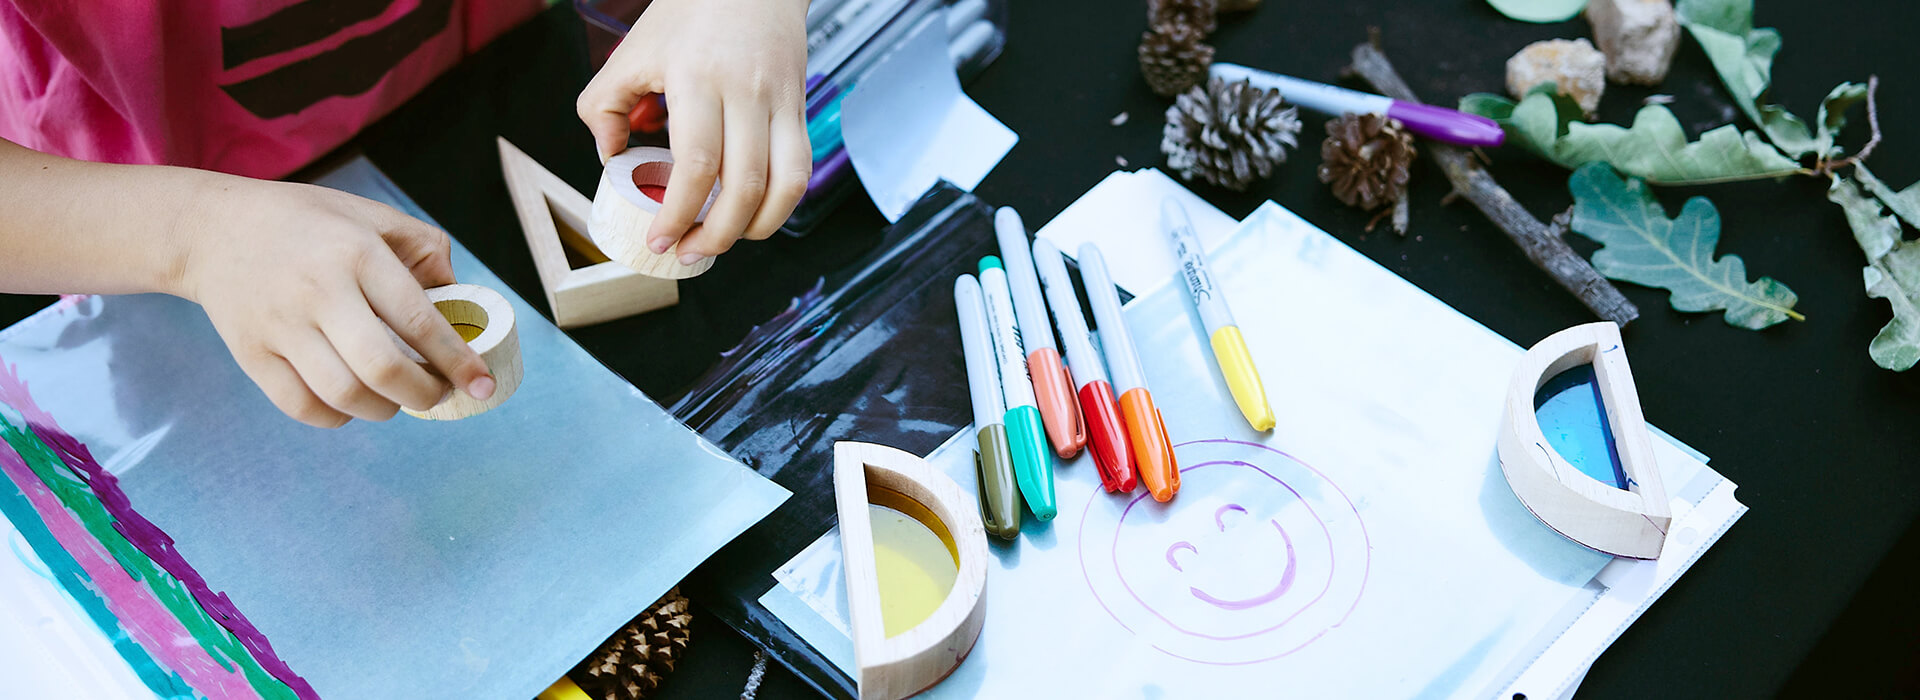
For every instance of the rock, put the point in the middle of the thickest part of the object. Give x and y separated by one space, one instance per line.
1574 66
1638 36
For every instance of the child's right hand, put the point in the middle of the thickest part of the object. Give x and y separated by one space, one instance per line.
303 282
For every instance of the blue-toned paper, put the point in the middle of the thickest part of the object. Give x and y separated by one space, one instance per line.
479 558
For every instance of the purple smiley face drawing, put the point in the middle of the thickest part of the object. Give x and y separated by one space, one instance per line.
1256 558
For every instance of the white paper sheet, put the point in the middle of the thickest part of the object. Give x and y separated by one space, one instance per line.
907 125
1122 215
1369 547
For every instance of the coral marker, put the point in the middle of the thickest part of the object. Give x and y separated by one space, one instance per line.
1146 430
1052 389
1106 434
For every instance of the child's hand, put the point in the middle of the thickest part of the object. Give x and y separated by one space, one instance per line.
732 72
303 282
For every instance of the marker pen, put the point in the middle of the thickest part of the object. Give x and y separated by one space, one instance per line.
1025 436
1051 387
1106 433
1146 430
1439 123
1229 349
999 496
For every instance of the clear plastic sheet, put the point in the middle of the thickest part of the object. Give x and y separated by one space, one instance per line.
870 355
1369 547
479 558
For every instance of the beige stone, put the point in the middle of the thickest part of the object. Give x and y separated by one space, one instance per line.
1574 66
1638 37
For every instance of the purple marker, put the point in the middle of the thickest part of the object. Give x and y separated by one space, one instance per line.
1437 123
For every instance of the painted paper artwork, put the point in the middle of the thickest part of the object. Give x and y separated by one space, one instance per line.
227 551
1368 547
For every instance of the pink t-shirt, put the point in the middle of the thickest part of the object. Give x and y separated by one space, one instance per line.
252 87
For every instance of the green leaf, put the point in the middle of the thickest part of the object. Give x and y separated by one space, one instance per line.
1539 11
1743 56
1906 202
1654 149
1643 246
1892 272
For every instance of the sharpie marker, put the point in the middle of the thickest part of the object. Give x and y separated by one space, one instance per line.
1052 389
1106 434
1439 123
1236 364
1024 435
999 496
1146 430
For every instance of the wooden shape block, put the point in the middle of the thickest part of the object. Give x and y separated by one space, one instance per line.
1630 522
485 319
913 660
554 217
622 213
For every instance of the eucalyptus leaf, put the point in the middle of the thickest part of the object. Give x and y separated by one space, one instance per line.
1892 272
1655 148
1641 245
1539 11
1743 56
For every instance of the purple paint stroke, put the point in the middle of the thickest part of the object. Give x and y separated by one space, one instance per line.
1333 566
1175 563
1219 515
1279 589
143 534
1365 574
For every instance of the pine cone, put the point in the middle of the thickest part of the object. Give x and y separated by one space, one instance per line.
1173 59
1366 158
1165 15
632 663
1228 133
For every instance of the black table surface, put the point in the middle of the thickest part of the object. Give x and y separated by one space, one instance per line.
1809 594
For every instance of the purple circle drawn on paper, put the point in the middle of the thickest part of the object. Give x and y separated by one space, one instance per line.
1366 564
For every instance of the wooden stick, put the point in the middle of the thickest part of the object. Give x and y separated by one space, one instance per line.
1542 244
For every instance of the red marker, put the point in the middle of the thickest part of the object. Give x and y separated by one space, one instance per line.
1146 430
1106 432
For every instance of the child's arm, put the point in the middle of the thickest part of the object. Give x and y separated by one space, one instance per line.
732 72
300 281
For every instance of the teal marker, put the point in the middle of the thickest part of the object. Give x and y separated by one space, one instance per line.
1026 435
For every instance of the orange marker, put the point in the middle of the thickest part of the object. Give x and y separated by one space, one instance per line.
1147 430
1052 390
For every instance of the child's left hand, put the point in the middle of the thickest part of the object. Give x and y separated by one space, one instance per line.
732 73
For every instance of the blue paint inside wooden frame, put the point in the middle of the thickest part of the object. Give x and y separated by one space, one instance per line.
1573 417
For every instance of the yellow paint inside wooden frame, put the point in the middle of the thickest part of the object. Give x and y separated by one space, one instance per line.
915 559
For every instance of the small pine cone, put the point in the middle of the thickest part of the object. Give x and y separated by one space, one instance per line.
1228 133
1174 59
633 662
1166 15
1367 159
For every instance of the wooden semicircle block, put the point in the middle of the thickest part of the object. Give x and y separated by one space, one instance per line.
915 659
554 217
1629 520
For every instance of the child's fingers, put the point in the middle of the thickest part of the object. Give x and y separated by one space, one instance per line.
603 106
696 136
425 250
790 165
399 301
320 366
283 387
369 350
743 184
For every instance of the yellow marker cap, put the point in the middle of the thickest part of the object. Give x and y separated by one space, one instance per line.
1236 364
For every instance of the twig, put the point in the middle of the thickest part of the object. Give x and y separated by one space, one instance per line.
1541 244
1873 121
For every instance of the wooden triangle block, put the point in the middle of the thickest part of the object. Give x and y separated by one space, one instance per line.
1627 522
554 217
915 659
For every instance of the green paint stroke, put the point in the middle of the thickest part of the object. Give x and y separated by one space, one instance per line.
78 497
